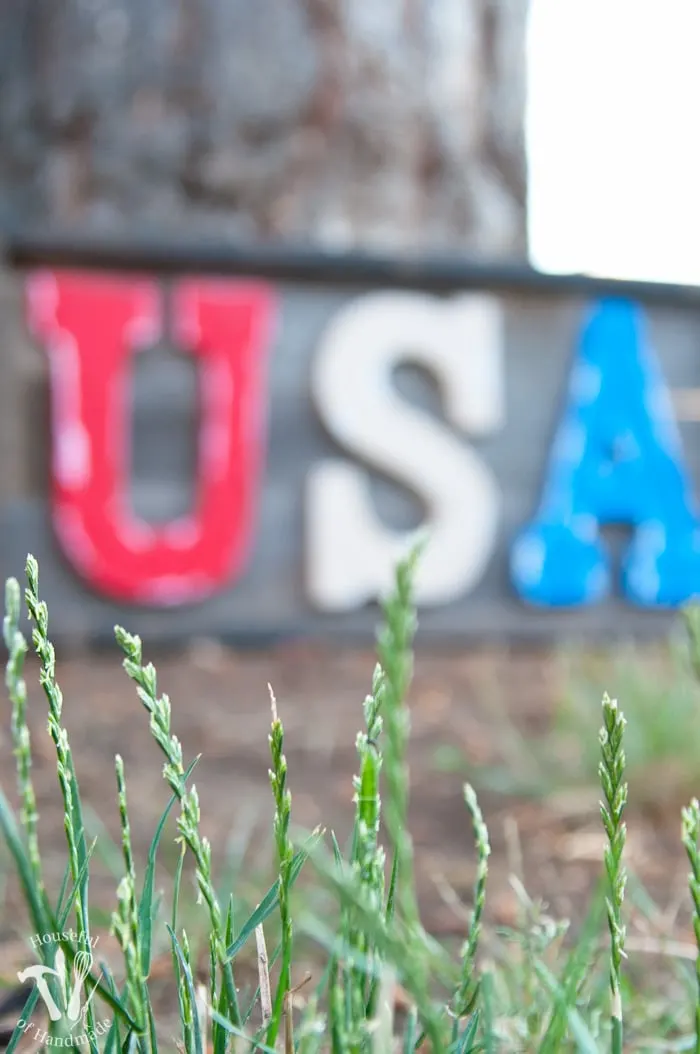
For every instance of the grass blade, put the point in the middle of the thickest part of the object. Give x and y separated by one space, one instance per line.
269 902
488 1028
574 973
27 1011
187 974
82 877
690 836
66 909
233 1030
585 1043
614 785
35 902
410 1035
64 887
285 858
152 1028
391 895
465 1043
146 914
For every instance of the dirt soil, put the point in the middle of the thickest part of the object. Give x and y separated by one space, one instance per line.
221 709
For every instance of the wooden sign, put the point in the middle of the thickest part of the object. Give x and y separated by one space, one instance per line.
540 434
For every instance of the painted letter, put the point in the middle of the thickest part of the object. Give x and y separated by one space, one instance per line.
350 554
91 326
617 459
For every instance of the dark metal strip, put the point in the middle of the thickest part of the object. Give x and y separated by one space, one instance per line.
313 266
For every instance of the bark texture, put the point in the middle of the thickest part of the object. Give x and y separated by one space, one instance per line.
382 123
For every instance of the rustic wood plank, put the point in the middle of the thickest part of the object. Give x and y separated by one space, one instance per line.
270 600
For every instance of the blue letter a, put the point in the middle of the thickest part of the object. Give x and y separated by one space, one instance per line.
617 459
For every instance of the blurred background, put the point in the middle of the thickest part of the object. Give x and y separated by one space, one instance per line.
508 128
558 132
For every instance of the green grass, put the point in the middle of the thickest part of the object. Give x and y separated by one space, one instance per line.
661 694
530 988
662 704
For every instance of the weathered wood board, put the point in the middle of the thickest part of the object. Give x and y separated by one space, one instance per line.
523 382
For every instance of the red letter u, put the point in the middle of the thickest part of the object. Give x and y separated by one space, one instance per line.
91 326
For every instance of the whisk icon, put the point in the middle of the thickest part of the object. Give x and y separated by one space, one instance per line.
82 964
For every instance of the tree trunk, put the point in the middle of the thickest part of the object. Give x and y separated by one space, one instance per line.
381 123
